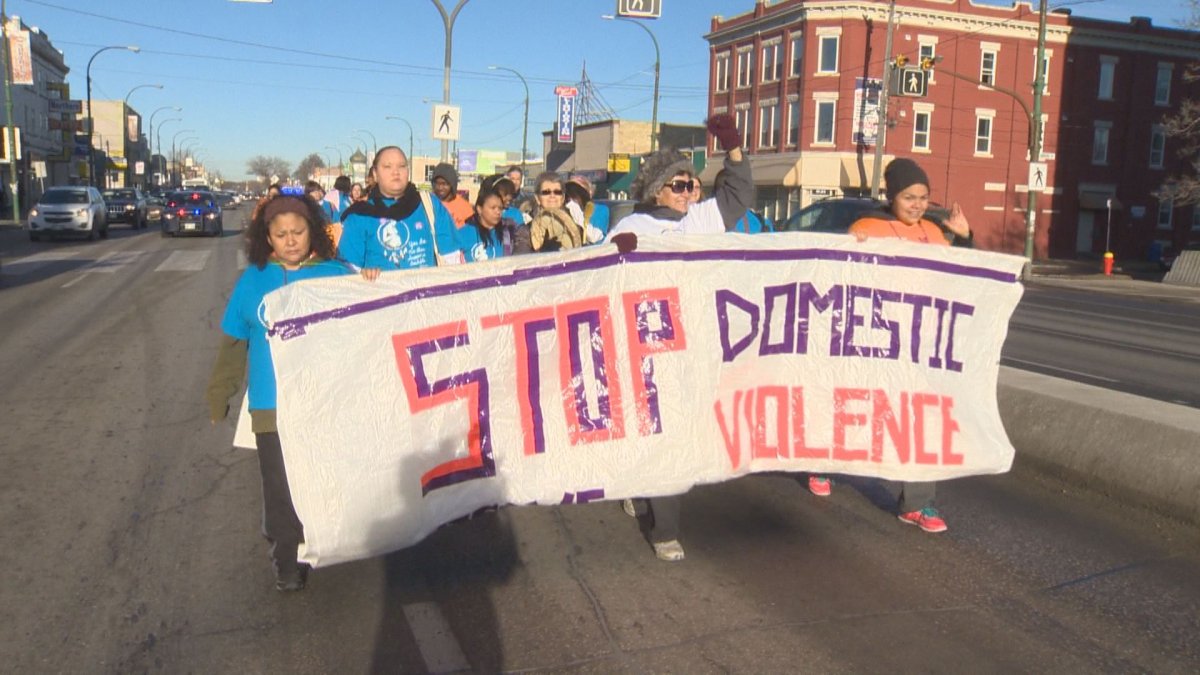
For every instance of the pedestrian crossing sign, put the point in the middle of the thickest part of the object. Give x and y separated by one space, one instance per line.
914 81
445 122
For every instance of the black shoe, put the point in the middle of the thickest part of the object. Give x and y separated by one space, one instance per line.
292 579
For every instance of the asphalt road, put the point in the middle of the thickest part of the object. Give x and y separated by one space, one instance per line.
131 536
1136 342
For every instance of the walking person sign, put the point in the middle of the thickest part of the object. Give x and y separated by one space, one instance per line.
445 122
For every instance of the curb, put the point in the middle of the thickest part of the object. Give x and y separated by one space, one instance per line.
1136 449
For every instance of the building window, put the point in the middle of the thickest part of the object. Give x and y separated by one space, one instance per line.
772 62
1158 146
1162 84
1100 135
983 134
1164 214
1108 70
824 125
987 68
793 128
921 120
829 54
722 68
927 50
741 118
1045 69
767 115
1196 219
745 66
797 56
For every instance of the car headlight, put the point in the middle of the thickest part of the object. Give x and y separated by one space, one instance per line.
211 216
129 207
33 213
81 212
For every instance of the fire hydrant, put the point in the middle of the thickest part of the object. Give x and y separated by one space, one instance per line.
1108 263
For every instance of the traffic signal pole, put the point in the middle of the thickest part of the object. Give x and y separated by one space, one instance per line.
881 133
1035 137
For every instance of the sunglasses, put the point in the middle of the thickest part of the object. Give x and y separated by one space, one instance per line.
551 192
681 186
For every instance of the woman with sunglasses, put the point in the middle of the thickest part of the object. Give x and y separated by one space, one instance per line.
551 227
663 189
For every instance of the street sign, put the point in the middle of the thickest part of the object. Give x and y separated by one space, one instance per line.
914 81
1037 176
566 114
640 9
445 122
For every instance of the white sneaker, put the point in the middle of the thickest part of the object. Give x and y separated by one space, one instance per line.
670 551
627 507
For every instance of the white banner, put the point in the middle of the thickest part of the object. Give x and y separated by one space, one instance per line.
573 377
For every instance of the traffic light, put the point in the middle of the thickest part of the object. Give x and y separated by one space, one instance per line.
901 60
926 63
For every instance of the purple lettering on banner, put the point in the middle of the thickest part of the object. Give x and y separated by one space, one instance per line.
533 392
956 309
854 320
942 306
646 335
919 303
724 299
878 322
787 345
809 297
583 496
591 319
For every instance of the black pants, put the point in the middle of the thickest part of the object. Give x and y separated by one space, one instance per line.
662 515
916 496
281 525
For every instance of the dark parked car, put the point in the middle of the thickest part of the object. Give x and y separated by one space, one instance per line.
191 212
838 214
127 205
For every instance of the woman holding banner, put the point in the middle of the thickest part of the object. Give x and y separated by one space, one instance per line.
663 189
904 218
286 242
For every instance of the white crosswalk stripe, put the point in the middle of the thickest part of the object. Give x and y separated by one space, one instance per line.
30 263
435 639
184 261
109 263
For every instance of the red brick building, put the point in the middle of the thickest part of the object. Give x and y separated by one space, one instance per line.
802 78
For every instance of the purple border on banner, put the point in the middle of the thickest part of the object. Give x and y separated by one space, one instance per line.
296 327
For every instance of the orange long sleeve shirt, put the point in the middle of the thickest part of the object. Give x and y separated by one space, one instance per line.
879 228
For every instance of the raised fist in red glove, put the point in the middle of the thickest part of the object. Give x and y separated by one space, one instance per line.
724 128
626 242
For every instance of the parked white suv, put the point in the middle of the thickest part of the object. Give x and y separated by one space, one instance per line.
75 209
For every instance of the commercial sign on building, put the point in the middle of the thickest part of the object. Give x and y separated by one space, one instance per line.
867 91
18 48
566 113
65 107
618 162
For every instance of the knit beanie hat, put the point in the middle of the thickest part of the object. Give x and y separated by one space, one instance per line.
446 170
901 173
656 170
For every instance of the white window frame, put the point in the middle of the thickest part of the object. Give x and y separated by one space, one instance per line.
987 76
772 71
1047 54
1107 85
922 110
927 43
796 64
982 114
721 66
1165 208
823 36
768 129
1158 155
825 100
741 119
793 122
1101 129
745 66
1162 85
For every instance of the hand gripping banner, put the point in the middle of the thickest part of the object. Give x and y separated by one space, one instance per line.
588 375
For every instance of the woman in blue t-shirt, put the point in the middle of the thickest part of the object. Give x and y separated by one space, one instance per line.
285 242
487 235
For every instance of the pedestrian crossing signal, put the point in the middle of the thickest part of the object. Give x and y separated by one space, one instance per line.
914 82
927 63
901 60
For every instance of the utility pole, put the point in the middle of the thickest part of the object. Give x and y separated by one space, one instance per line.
881 134
10 138
1035 137
448 22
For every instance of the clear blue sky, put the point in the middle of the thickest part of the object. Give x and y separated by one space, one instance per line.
292 77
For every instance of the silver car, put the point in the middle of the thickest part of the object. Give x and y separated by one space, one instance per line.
69 210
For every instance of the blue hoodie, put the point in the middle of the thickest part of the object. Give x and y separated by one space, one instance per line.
752 224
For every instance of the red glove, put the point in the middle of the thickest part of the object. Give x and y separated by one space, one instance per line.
724 128
626 242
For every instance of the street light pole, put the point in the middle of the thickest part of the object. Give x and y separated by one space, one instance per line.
881 128
657 69
129 164
410 134
158 141
151 136
1035 137
525 125
374 143
90 121
339 152
174 156
448 22
140 86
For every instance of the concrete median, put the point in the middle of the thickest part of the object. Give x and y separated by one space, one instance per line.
1136 449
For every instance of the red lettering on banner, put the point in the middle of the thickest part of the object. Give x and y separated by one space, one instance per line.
609 422
646 338
733 438
760 449
949 427
800 447
843 419
883 418
525 325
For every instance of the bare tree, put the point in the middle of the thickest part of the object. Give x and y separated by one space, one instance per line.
265 167
308 167
1183 186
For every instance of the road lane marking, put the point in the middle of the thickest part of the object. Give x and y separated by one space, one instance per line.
38 260
109 263
439 649
184 261
74 281
1061 370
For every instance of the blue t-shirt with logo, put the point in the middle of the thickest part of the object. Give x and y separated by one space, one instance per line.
387 244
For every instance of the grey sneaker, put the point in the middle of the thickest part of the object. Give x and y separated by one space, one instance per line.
669 551
292 579
627 507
